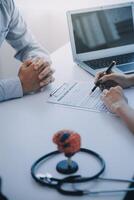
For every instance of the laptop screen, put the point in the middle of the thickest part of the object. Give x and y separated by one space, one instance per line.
103 29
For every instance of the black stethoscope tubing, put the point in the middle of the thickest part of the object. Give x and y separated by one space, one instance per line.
57 183
36 165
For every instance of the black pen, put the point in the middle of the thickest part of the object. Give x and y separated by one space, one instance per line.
113 63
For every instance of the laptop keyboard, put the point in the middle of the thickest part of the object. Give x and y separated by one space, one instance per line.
104 62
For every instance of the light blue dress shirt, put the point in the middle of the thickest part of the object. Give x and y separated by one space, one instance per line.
13 28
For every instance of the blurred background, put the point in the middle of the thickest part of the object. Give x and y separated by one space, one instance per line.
47 20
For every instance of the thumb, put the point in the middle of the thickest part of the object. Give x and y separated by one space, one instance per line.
107 77
27 63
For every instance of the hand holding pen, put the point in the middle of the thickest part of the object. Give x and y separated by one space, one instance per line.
99 81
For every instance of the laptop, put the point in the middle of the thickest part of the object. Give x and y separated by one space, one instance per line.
103 34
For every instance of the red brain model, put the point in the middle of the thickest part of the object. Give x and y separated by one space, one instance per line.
68 142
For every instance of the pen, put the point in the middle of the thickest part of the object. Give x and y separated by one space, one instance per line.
113 63
56 90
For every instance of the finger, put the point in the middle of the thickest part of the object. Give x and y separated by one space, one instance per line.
103 94
108 77
47 81
105 91
46 72
102 97
116 89
40 63
119 88
43 67
27 63
32 65
40 69
50 74
98 76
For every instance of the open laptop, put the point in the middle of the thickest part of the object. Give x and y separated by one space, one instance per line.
103 34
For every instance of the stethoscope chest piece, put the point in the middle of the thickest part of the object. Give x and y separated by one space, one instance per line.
64 167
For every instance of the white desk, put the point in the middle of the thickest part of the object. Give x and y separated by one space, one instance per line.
27 127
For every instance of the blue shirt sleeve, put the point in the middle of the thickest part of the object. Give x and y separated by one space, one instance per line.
10 88
20 38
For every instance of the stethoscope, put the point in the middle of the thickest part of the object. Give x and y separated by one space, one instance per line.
56 183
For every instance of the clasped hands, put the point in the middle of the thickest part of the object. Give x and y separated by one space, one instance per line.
35 74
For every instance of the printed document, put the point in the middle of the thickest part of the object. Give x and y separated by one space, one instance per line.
77 95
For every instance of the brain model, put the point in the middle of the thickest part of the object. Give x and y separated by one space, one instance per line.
68 142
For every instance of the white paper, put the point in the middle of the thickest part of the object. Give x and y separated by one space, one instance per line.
77 95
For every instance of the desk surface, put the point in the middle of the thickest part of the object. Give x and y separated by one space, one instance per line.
27 127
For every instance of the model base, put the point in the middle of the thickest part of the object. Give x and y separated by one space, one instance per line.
64 168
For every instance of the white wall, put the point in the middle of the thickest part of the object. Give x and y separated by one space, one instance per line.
47 20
